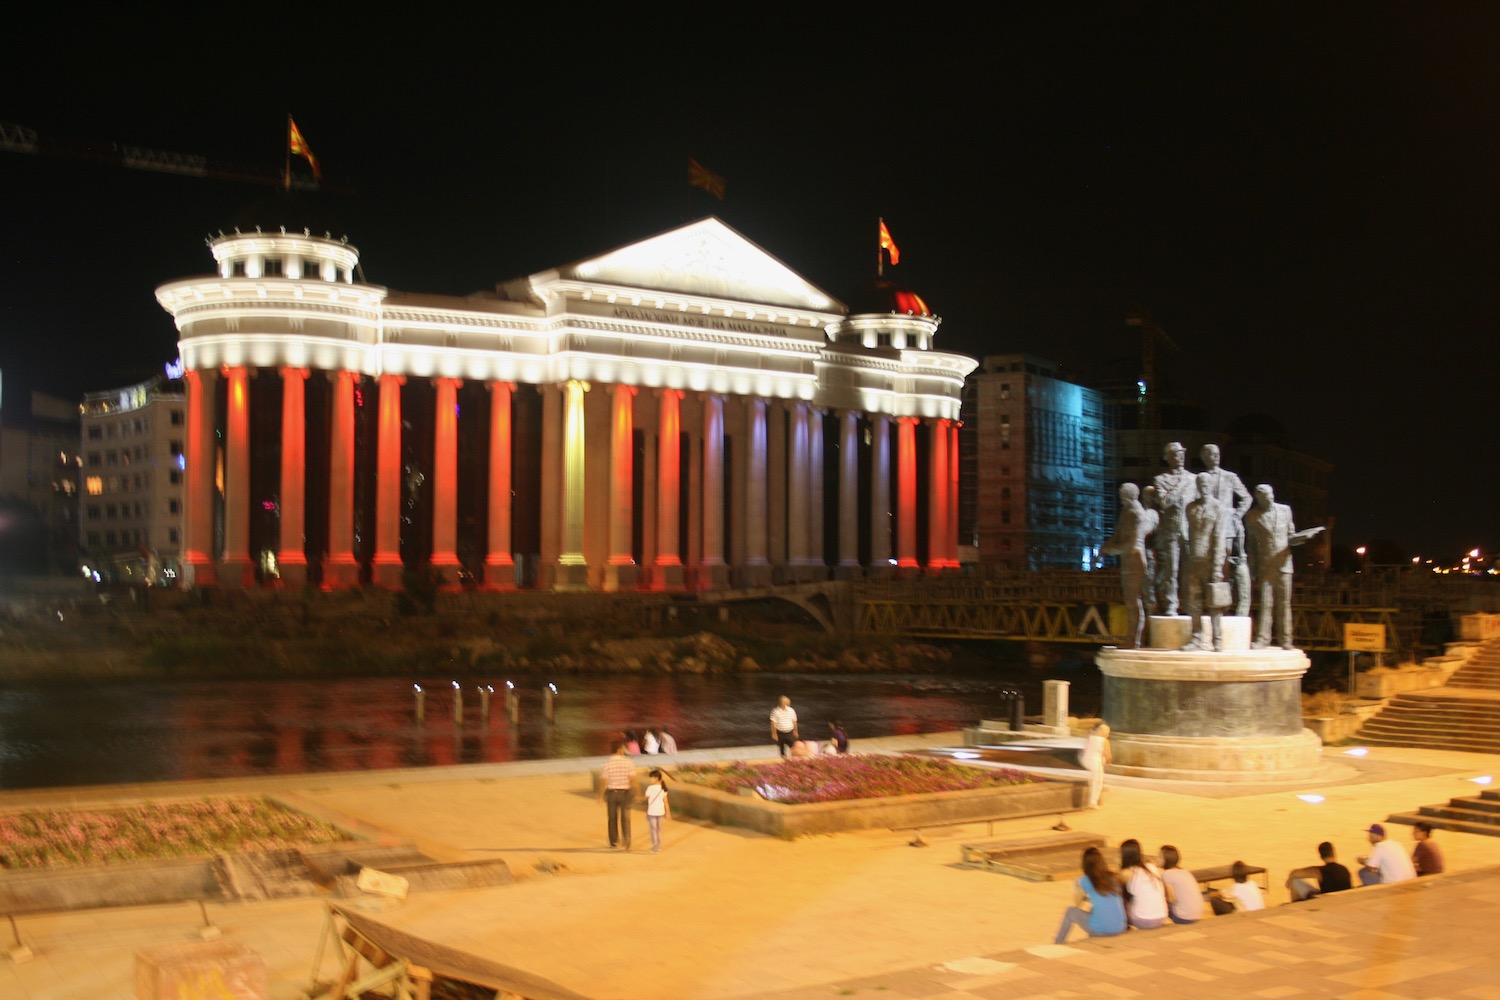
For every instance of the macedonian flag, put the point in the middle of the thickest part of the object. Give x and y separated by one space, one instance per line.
700 176
886 243
299 147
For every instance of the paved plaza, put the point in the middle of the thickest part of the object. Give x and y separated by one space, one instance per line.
722 913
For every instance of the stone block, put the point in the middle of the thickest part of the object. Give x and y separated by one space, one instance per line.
1055 706
1176 631
224 970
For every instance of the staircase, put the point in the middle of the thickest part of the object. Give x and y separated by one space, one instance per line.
1464 714
1469 814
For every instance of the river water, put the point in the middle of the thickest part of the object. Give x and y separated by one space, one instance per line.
88 733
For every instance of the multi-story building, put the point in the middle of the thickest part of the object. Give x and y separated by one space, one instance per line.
131 482
39 487
1036 461
682 412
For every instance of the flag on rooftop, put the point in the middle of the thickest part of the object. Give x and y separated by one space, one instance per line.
700 176
299 147
886 243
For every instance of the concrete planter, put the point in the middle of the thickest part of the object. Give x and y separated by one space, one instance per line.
1334 729
782 820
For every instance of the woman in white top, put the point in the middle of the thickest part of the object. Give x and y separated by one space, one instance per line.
1186 906
1146 895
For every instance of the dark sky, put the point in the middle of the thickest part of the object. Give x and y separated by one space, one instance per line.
1304 195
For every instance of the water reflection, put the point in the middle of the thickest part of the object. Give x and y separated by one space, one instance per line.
78 734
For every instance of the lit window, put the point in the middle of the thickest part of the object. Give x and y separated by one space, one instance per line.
93 485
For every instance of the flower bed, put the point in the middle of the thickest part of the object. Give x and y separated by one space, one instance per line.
72 838
898 792
839 779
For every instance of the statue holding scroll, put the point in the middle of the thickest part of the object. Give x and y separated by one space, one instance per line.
1271 535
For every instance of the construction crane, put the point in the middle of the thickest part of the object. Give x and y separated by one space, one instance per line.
1149 393
20 139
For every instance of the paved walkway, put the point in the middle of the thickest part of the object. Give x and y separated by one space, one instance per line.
722 913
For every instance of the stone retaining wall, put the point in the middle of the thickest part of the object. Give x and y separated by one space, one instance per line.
933 809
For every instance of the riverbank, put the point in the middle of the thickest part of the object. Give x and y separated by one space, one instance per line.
160 635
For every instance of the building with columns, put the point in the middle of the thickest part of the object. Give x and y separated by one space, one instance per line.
685 412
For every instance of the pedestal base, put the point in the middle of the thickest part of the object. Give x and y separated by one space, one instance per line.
1175 631
1207 716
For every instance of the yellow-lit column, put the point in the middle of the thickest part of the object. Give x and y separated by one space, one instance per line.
341 570
572 565
757 565
445 482
198 520
937 497
668 575
619 567
386 564
237 570
714 573
906 495
848 493
499 565
290 556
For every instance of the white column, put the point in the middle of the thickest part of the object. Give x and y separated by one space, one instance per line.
341 571
445 482
198 522
238 570
848 492
290 555
572 565
815 492
937 497
668 575
881 522
757 564
619 566
798 490
499 565
713 574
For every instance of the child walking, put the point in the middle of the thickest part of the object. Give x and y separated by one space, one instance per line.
656 807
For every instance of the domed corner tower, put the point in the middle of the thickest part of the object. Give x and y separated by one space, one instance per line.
283 301
900 396
885 314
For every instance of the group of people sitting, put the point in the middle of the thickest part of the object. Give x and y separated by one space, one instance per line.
837 742
1145 894
656 740
1386 863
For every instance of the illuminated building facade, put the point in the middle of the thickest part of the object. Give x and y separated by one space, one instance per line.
1037 456
131 482
681 413
39 486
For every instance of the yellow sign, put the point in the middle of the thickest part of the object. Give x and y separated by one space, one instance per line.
1364 637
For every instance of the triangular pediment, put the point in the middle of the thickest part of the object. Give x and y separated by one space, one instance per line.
706 259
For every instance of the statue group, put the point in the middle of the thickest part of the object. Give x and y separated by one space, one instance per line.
1189 544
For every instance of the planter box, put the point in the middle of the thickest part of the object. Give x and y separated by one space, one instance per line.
933 809
1334 729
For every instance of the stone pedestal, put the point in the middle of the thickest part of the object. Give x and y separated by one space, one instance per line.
1175 631
1055 707
1234 715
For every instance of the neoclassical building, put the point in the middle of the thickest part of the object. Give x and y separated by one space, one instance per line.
685 412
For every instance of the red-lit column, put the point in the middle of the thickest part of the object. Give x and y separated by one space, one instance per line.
237 569
499 565
797 492
386 564
906 495
714 573
619 566
757 565
880 495
341 571
848 493
937 497
198 521
668 575
445 482
290 556
953 427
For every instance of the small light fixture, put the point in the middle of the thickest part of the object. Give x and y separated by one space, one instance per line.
1312 798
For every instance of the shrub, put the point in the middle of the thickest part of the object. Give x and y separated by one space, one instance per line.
859 776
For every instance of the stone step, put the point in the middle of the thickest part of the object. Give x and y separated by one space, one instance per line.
1456 825
1466 815
1395 724
1432 743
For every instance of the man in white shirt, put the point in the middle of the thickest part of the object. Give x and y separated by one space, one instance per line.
784 725
1386 862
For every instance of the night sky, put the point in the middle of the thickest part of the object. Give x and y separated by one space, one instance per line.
1304 195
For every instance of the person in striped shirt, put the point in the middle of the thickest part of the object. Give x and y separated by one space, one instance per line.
618 788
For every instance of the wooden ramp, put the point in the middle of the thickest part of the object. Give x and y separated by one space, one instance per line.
1037 858
377 957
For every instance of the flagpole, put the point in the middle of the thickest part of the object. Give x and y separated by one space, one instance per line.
879 251
286 176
